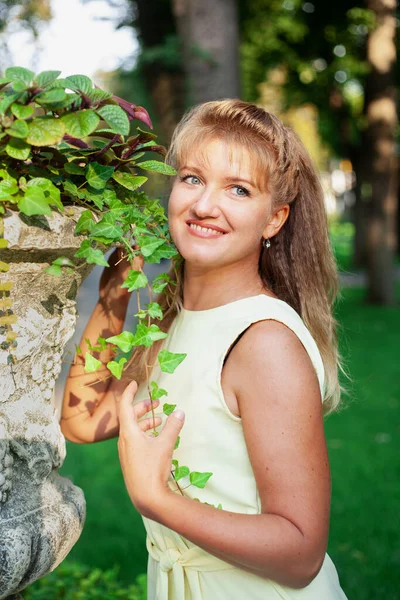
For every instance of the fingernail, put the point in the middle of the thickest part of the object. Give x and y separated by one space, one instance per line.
179 414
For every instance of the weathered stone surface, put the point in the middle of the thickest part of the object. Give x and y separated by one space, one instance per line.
41 513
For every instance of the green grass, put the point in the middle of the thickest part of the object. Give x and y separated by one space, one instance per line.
363 441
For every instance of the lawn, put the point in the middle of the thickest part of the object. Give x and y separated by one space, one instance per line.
363 441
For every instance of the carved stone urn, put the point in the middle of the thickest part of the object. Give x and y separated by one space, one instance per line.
41 513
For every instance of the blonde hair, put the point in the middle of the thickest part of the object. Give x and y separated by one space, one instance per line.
299 267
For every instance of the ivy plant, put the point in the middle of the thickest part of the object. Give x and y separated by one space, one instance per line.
64 142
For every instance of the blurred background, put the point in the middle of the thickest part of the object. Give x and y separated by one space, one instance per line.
329 71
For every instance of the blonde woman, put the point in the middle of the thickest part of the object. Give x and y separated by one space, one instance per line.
253 311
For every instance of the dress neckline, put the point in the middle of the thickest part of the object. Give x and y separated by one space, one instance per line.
225 308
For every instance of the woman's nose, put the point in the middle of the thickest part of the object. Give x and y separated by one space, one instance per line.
206 204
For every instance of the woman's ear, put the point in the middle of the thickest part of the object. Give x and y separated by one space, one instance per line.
276 221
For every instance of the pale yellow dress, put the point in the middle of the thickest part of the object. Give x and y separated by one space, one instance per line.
212 440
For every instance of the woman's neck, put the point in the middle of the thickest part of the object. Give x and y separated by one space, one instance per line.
205 289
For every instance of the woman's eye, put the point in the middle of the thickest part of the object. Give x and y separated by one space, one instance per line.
241 191
191 179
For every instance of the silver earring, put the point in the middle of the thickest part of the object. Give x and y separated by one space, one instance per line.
266 243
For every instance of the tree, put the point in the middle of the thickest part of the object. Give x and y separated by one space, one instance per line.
380 156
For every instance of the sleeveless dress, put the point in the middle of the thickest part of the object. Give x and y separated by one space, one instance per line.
212 440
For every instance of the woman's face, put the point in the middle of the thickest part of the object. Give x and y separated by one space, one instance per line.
217 214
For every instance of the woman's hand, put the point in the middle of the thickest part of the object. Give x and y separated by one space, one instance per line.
145 459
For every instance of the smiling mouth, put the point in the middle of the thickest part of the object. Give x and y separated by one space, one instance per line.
205 230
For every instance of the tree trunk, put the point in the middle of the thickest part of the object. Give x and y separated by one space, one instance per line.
41 513
381 171
209 34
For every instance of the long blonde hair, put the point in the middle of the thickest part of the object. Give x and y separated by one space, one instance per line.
299 267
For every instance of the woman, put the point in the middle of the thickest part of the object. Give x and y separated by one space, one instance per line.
253 313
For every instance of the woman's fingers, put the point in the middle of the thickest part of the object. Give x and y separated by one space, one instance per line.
129 413
147 424
172 427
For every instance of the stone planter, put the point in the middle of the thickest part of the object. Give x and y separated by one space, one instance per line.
41 513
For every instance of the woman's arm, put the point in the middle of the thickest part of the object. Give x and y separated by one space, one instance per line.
280 404
89 411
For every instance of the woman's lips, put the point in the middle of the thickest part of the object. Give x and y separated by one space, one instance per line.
203 231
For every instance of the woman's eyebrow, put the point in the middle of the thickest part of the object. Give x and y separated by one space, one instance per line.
233 178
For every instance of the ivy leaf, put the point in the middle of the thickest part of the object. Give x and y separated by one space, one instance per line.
97 175
178 439
154 310
7 189
92 255
157 392
199 479
45 131
18 149
34 202
181 472
106 230
18 129
19 74
70 188
164 251
175 463
169 361
54 270
135 280
124 341
160 282
85 222
116 367
73 169
81 123
145 336
157 167
63 261
115 117
51 192
148 244
78 83
46 77
129 181
168 408
91 363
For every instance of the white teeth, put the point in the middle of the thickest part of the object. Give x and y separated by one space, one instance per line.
205 229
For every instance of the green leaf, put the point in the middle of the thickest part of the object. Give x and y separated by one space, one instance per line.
70 188
7 99
22 112
73 169
168 408
160 282
148 244
116 367
18 149
157 167
129 181
175 463
91 363
79 83
181 472
18 129
85 222
63 261
51 192
164 251
81 123
199 479
46 77
106 230
45 131
145 336
7 189
154 310
19 74
97 175
135 280
92 255
124 341
115 117
96 96
34 203
169 361
51 96
157 392
54 270
178 439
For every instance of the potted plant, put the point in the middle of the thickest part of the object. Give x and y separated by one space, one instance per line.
71 169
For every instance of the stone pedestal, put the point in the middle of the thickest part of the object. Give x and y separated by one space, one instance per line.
41 513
